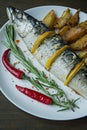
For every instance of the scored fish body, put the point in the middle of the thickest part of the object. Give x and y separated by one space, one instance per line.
29 30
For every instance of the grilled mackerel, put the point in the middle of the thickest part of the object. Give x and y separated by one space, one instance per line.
30 29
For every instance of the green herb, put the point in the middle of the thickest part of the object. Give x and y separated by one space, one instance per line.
41 79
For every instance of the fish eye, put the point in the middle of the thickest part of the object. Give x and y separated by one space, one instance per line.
19 15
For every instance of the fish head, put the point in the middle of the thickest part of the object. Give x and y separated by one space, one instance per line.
19 19
15 16
24 23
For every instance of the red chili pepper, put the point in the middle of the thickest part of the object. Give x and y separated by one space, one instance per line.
35 95
17 73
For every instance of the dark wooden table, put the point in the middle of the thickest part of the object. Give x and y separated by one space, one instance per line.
11 118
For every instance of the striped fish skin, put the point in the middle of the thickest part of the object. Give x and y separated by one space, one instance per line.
29 29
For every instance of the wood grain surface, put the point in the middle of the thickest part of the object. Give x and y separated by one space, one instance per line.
12 118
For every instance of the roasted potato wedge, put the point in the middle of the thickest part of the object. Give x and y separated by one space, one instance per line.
83 53
80 44
74 19
50 19
73 34
83 24
63 30
62 21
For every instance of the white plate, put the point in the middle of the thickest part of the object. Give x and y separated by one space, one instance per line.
7 81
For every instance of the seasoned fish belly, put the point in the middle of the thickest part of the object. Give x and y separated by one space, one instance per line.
65 63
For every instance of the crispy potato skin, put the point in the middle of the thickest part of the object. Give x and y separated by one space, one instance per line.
76 32
83 53
74 19
83 24
63 19
73 34
80 44
63 30
50 19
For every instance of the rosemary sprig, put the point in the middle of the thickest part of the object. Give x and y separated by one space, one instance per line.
41 80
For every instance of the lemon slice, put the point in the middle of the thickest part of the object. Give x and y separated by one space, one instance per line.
74 72
40 39
53 57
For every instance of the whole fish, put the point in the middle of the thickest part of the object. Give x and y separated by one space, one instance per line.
30 29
